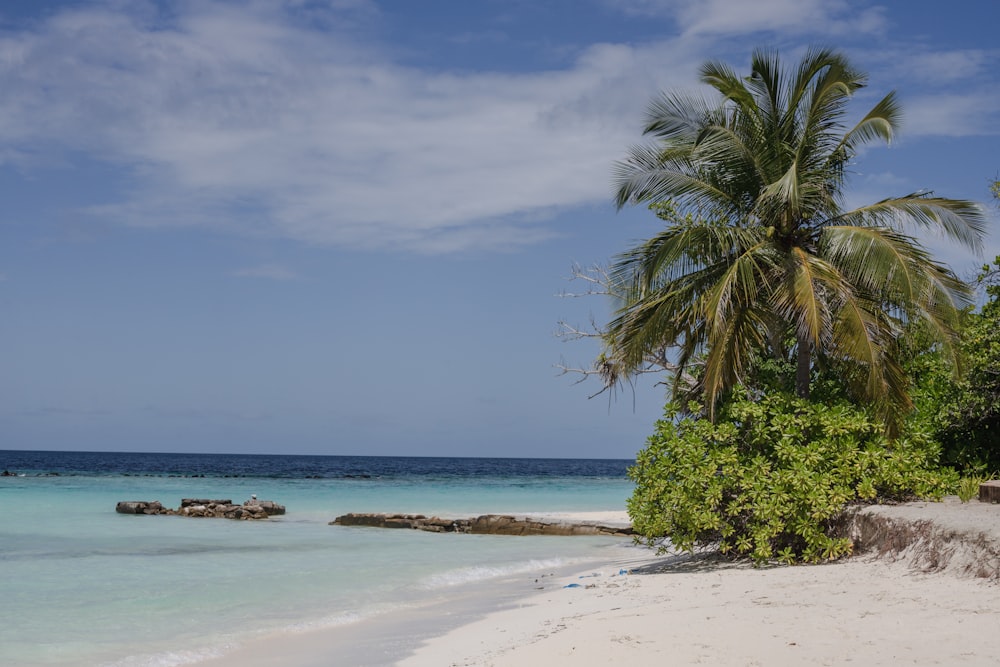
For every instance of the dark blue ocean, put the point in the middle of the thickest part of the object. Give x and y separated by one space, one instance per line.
300 466
84 585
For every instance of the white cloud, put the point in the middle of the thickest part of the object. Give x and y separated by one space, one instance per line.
886 179
252 119
705 17
944 66
953 114
949 93
245 119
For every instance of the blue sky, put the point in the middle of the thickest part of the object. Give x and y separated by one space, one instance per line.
341 227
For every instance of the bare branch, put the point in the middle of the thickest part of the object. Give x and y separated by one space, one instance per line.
570 332
598 282
596 278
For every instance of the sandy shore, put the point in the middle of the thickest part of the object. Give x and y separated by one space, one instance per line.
684 610
691 610
699 612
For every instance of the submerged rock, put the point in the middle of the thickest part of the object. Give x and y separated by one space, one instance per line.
141 507
487 524
252 509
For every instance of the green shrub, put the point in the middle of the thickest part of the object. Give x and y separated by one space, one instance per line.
962 411
968 488
768 478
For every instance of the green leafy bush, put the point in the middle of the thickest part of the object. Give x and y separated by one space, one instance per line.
963 412
768 478
970 424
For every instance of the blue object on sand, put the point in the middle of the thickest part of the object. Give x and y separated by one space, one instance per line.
571 586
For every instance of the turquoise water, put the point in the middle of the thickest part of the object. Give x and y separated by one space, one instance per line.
86 586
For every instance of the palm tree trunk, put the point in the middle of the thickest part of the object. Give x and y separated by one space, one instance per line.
803 359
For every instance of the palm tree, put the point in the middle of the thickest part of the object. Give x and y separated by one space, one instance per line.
760 259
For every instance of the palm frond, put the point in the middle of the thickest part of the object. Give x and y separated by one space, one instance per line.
645 176
856 336
808 286
721 76
877 260
674 117
785 193
809 76
879 123
959 219
765 83
733 348
738 286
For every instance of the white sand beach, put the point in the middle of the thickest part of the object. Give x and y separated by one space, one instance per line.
698 612
689 610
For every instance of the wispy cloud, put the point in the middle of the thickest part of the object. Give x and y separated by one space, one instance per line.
246 119
701 17
943 67
957 94
886 179
253 119
954 114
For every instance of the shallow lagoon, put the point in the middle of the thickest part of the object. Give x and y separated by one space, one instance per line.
85 585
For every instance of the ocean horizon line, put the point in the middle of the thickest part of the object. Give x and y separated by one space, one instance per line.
301 455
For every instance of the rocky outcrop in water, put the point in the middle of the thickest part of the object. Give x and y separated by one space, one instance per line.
487 524
141 507
205 508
